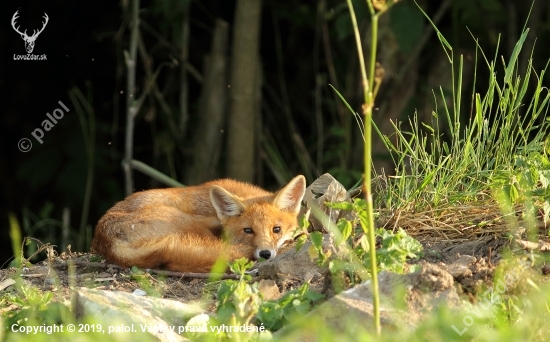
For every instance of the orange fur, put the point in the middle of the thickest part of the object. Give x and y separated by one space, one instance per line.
188 229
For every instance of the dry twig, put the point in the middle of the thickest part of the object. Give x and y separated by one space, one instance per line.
63 263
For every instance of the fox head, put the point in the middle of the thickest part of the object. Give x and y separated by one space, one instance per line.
265 223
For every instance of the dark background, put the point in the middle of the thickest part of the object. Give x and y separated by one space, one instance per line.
84 41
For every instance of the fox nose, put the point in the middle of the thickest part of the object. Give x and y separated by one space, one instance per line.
265 254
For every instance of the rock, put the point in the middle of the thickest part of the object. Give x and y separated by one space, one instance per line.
352 309
431 286
154 315
432 278
104 275
466 260
139 292
6 283
461 267
466 248
269 289
295 264
325 189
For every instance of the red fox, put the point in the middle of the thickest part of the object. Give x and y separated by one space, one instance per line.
188 229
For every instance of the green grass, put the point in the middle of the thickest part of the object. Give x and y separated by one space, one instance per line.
444 169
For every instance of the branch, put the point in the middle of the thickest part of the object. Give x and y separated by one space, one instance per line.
156 91
131 105
63 263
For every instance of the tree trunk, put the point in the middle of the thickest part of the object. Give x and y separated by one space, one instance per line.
244 69
208 137
184 82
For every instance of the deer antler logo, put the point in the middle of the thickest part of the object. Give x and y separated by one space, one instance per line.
29 41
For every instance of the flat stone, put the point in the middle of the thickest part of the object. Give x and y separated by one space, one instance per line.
114 308
292 264
405 300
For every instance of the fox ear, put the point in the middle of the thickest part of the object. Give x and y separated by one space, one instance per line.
290 197
225 203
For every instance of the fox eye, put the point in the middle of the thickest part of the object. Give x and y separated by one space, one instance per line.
248 231
276 229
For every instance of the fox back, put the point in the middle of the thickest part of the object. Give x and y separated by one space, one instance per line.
189 229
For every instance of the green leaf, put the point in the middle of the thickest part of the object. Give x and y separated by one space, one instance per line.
339 205
546 210
300 241
316 239
513 59
544 178
346 228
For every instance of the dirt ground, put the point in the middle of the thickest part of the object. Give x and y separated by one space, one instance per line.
89 272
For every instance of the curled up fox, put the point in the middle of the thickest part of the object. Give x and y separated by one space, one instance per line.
189 229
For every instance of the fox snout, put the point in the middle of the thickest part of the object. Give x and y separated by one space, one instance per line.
265 253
